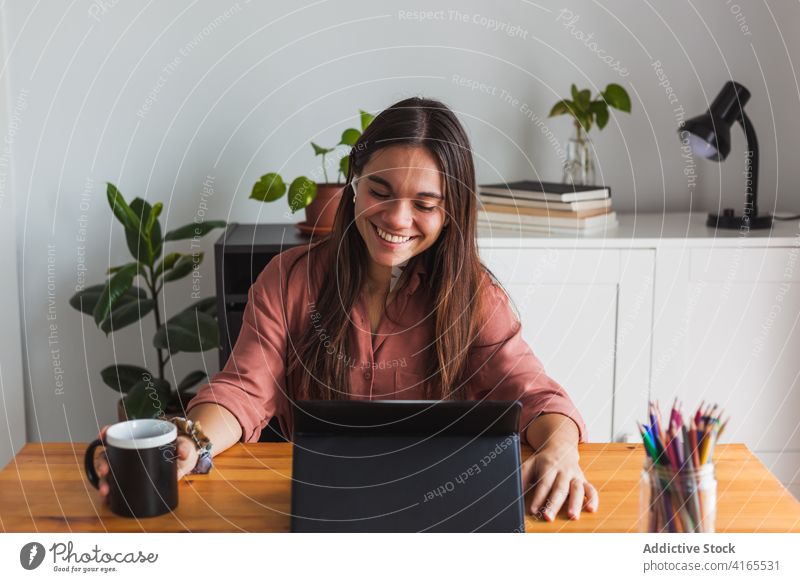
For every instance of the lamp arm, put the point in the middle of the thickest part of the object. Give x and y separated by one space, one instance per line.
751 167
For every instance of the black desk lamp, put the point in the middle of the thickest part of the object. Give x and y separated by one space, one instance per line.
709 136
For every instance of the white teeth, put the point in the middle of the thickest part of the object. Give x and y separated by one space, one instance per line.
392 238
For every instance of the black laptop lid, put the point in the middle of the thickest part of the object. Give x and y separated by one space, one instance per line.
399 466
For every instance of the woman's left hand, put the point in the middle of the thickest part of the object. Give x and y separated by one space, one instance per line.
557 481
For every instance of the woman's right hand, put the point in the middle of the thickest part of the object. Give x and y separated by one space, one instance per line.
185 449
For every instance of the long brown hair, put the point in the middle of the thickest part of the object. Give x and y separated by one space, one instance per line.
452 263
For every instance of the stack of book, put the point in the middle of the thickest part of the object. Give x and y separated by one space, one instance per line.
533 206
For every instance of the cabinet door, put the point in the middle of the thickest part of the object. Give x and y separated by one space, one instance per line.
726 331
567 301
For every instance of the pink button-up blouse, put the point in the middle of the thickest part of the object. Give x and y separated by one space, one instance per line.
389 364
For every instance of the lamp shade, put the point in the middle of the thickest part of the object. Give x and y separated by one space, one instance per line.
709 135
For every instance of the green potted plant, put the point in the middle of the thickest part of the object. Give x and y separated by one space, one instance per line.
585 111
118 303
319 199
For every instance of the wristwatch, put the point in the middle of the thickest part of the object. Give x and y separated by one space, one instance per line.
194 431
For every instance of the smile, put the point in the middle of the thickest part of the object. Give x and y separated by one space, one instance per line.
392 238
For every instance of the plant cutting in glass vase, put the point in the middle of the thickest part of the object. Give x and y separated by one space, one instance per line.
118 303
579 163
319 199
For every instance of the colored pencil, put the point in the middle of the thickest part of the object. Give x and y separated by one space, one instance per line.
679 450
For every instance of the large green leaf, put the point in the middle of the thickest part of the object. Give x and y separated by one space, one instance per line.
183 267
565 106
366 119
112 270
149 219
585 119
166 263
191 380
269 188
120 208
195 229
350 137
147 398
188 331
207 305
126 311
301 193
600 110
344 165
321 151
116 287
86 300
143 246
617 97
152 219
584 99
122 377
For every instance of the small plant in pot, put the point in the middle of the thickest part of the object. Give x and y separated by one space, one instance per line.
585 111
118 303
319 199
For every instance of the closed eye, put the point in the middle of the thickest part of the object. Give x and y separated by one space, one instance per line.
383 196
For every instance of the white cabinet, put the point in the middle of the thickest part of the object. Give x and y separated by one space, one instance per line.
662 307
726 330
577 306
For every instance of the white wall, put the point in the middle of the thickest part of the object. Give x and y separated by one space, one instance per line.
12 393
257 86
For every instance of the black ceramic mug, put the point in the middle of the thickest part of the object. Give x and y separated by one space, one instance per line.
143 467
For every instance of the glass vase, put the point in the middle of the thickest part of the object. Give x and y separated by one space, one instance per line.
579 162
684 501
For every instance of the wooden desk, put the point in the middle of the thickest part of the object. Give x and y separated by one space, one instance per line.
43 489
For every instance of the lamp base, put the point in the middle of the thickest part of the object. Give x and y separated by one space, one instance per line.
729 220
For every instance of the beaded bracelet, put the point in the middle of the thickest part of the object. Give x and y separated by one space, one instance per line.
194 431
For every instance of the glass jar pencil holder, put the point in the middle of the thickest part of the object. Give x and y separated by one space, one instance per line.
682 501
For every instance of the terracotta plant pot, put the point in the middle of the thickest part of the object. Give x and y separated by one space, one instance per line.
322 210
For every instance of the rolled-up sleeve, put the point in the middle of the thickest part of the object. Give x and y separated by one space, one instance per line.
502 366
252 384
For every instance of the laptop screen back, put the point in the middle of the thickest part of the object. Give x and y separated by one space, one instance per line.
406 466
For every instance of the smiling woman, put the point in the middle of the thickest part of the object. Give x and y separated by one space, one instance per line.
411 176
394 304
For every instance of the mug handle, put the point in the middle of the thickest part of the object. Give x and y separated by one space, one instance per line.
88 463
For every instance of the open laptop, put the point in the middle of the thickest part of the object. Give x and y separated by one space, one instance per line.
407 466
